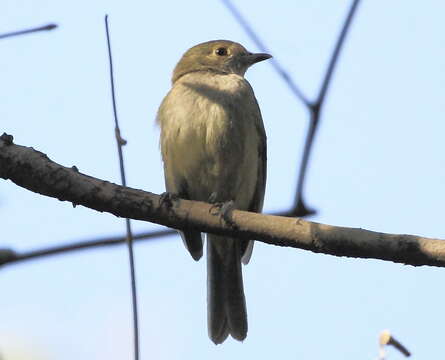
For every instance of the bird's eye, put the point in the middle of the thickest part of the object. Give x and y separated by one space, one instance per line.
221 51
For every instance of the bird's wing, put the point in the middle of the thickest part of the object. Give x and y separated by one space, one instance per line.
177 185
256 204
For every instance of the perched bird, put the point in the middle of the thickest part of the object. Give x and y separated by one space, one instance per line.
213 146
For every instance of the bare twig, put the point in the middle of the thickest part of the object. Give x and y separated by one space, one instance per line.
315 108
28 31
385 339
33 170
8 256
120 142
275 63
299 208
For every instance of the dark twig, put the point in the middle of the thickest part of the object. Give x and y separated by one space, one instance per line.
28 31
386 339
14 257
315 108
120 142
260 44
336 53
299 208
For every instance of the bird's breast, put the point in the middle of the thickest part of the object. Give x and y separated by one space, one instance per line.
208 133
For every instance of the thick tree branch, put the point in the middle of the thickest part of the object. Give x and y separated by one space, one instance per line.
34 171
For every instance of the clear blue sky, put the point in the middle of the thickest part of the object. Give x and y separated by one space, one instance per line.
378 164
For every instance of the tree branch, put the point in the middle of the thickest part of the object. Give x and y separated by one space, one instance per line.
34 171
120 142
8 256
28 31
315 109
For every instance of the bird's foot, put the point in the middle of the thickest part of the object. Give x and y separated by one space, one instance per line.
224 209
168 199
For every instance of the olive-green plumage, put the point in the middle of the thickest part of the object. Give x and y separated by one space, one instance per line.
213 146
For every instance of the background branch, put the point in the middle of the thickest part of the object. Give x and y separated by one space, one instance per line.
34 171
386 339
315 109
120 142
9 257
28 31
282 72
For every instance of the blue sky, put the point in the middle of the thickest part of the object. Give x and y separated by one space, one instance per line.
377 164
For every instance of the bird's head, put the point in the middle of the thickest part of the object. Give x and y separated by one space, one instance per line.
220 56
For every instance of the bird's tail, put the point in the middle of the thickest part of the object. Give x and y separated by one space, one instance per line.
226 305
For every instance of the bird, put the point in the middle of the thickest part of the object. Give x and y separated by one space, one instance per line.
213 146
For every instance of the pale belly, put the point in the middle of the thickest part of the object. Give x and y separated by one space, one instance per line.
224 166
209 147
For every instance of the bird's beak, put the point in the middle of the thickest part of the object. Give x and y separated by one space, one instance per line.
254 58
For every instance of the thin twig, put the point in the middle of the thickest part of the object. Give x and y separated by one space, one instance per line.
299 208
12 257
315 108
386 339
28 31
120 142
275 63
336 52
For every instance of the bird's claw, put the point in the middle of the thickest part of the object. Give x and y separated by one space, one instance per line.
224 209
168 199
